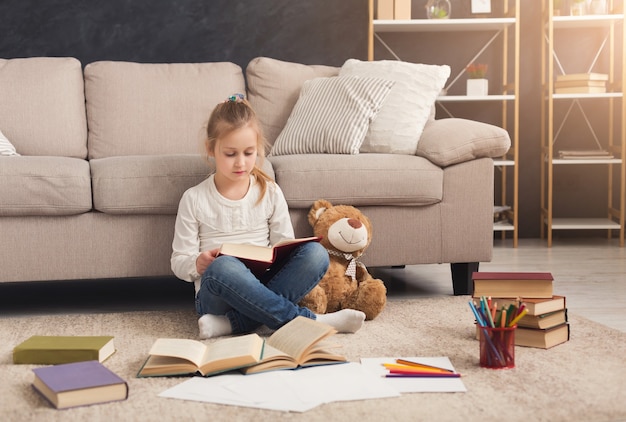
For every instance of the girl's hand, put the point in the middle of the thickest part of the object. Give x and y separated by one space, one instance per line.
205 259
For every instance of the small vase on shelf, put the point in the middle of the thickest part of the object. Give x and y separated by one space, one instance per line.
578 7
477 87
477 84
438 9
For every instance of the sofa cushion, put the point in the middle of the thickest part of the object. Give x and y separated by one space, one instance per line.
6 147
42 107
44 186
411 100
154 109
451 141
274 87
358 180
332 115
145 184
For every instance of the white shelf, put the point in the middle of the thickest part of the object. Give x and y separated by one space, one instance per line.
587 21
442 25
586 96
503 227
466 98
497 162
584 224
587 161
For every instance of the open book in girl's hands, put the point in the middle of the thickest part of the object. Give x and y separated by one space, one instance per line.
260 258
299 343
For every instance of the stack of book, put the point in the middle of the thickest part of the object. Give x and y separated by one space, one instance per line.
545 323
581 83
584 154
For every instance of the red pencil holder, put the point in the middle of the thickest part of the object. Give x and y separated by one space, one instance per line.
497 347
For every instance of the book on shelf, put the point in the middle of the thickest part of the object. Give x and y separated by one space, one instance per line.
79 384
535 306
542 338
588 76
513 284
580 90
300 343
579 83
583 154
52 350
543 321
500 214
176 357
260 258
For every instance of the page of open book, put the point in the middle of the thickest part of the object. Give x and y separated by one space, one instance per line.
296 337
191 350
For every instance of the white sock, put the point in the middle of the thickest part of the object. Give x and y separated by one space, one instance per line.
344 321
214 326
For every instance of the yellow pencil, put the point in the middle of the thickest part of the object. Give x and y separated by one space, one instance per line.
518 317
421 365
391 366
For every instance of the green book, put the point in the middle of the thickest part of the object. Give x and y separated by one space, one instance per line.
52 350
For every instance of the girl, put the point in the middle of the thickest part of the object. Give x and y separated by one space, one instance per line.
239 203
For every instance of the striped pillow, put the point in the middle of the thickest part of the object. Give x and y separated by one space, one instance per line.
6 147
332 115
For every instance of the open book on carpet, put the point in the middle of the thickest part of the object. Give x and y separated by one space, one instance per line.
299 343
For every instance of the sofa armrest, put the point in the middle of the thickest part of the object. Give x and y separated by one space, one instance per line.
445 142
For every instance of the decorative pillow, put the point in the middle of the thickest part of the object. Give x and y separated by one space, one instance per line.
451 141
332 115
6 147
400 122
274 87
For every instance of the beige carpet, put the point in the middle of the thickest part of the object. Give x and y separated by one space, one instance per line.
582 380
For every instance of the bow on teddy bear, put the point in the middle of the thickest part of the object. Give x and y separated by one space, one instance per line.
346 233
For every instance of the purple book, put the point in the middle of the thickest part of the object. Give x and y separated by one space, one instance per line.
79 384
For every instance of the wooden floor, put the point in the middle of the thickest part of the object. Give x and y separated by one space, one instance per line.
590 273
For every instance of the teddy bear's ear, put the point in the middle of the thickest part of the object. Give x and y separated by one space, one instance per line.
317 210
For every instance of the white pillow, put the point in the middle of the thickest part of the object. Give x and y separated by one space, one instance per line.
401 120
332 115
6 147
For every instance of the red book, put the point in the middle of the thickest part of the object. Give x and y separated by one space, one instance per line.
79 384
260 258
513 284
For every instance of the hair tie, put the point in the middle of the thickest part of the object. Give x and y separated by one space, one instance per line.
236 98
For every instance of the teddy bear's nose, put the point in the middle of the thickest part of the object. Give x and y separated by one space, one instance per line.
354 223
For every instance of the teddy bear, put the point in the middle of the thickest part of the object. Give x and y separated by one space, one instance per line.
346 233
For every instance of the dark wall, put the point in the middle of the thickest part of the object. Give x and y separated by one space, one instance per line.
305 31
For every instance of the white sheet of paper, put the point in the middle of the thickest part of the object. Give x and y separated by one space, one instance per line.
226 389
295 391
342 382
413 384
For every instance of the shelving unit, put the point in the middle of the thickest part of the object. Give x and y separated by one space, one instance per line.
509 29
611 27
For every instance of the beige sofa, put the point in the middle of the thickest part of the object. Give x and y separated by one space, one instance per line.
106 152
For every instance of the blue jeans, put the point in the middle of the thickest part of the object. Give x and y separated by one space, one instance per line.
229 288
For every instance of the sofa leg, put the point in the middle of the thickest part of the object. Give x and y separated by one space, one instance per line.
462 277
